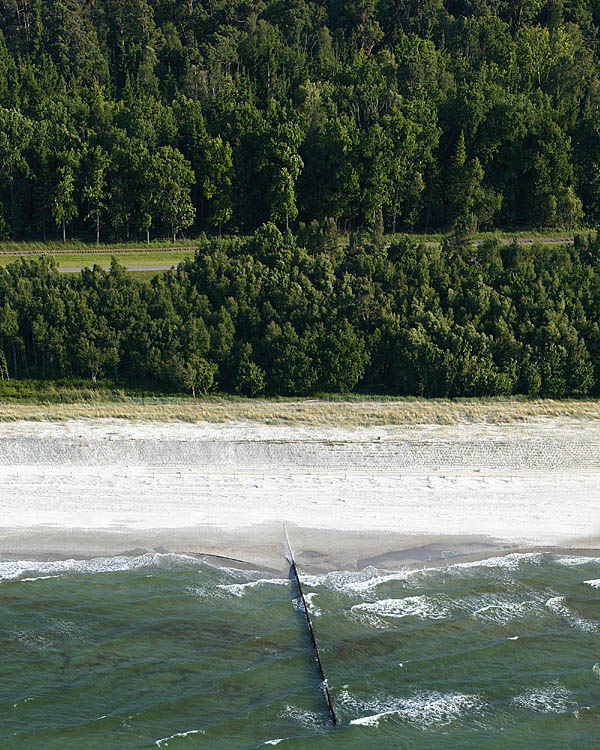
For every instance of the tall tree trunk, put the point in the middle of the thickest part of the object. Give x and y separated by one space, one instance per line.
148 236
97 229
64 232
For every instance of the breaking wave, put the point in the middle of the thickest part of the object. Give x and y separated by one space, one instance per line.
239 589
557 605
552 698
30 570
423 607
594 583
424 710
164 742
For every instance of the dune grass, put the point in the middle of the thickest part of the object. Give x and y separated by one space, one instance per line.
346 412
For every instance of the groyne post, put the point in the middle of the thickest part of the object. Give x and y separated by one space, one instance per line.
311 632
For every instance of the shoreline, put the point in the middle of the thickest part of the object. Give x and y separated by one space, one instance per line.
263 547
407 554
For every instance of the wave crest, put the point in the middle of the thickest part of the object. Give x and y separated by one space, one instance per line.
552 698
31 570
424 710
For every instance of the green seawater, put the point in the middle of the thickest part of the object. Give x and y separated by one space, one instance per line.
166 651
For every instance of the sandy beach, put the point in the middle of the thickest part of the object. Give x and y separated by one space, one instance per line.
388 495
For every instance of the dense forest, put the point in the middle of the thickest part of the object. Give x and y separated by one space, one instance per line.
269 315
131 118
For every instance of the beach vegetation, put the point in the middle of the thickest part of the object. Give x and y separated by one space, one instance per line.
63 401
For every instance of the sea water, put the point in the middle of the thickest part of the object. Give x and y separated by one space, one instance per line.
166 651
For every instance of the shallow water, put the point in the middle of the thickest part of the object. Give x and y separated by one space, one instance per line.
166 651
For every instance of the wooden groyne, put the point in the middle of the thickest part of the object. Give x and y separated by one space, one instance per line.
311 632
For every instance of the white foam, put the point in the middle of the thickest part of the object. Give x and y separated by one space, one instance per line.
571 561
202 591
11 570
424 607
233 572
501 610
422 709
487 607
552 698
32 640
67 629
557 605
313 610
366 586
512 561
595 583
305 718
369 578
342 580
165 740
373 720
274 742
239 589
596 669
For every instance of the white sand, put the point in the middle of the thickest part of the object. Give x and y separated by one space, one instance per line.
186 487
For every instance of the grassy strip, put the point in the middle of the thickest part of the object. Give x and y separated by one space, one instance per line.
23 247
36 400
76 260
82 255
75 246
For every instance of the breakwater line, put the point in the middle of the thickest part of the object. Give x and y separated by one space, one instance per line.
311 632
